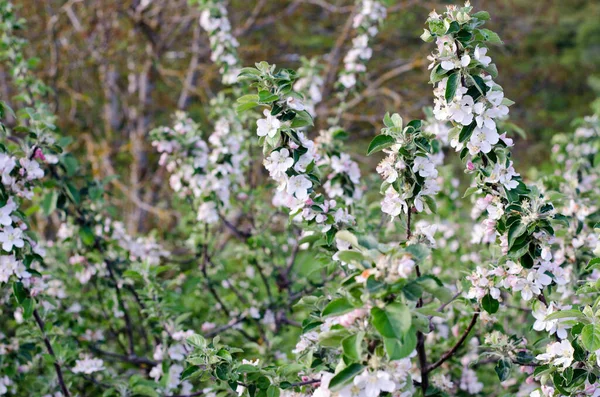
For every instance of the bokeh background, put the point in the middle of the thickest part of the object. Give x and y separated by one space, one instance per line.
119 68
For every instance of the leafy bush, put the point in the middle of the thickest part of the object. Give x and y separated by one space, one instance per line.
305 282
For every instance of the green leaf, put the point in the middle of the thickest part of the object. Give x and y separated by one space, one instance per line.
490 37
397 349
348 237
393 321
143 390
387 121
267 97
517 229
379 143
248 98
451 86
302 119
437 74
503 369
396 121
593 264
87 236
430 203
453 28
492 70
334 337
273 391
19 291
248 72
435 287
490 304
470 191
337 306
590 337
350 256
28 306
572 313
189 371
419 252
245 106
49 202
481 15
352 346
197 341
73 193
345 376
466 132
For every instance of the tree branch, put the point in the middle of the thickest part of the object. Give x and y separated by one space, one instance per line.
458 344
57 367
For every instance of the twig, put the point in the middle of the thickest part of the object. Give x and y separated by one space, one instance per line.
441 308
421 352
132 358
57 367
306 382
190 77
458 344
239 234
128 324
198 393
251 19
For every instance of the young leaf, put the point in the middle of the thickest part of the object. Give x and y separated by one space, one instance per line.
466 132
345 376
503 369
337 306
481 15
516 230
352 346
490 304
451 86
379 143
302 119
593 264
393 321
397 349
590 337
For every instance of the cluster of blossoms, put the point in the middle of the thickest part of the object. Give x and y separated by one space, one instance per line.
292 159
371 383
139 249
409 170
342 172
467 96
207 171
536 262
577 181
310 84
19 175
21 160
371 13
223 44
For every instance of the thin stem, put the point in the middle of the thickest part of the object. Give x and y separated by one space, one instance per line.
421 352
57 367
458 344
198 393
132 358
306 382
128 324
